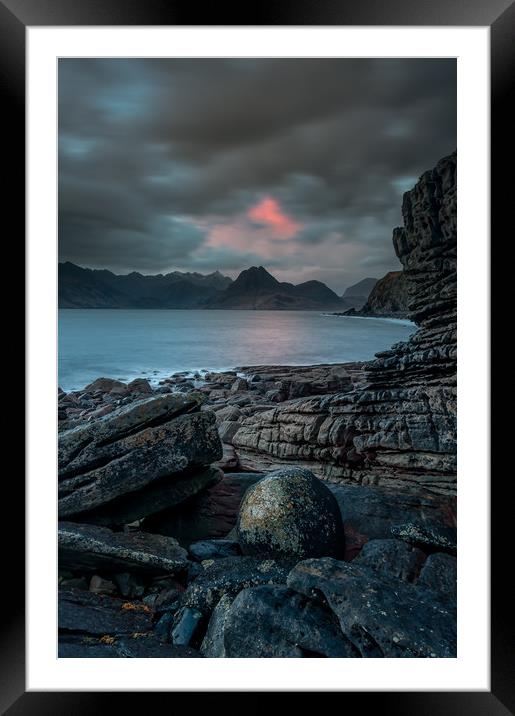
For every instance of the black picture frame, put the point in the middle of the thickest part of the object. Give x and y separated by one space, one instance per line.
15 17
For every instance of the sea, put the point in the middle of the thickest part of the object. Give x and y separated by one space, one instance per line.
153 344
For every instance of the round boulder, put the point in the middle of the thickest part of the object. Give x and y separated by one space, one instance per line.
290 513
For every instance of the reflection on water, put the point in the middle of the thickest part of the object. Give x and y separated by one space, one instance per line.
126 344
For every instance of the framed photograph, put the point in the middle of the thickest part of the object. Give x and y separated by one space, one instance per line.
257 262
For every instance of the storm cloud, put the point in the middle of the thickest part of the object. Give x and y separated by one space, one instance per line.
205 164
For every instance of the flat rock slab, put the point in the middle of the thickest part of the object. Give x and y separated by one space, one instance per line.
138 647
382 617
91 547
229 576
131 447
158 496
427 535
82 611
274 621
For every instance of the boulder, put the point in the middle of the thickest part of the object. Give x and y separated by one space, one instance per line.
276 622
383 617
229 576
104 385
227 430
213 643
290 513
90 547
440 574
239 385
392 558
139 386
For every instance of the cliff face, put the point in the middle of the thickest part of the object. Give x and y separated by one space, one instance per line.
398 428
388 297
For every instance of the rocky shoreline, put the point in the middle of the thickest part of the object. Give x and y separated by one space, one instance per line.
274 511
151 560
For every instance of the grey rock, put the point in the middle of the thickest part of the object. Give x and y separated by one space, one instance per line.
392 558
98 585
435 536
239 385
382 617
81 611
129 585
290 513
125 647
227 430
159 495
440 574
229 576
186 625
124 451
91 547
276 622
214 549
213 646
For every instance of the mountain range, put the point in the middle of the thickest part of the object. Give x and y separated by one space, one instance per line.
254 288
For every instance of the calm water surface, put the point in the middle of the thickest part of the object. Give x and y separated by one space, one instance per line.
127 344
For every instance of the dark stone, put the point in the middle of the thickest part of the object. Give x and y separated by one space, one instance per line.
382 617
434 536
214 549
98 614
213 643
160 495
290 513
187 623
392 558
229 576
129 585
158 437
440 573
163 628
137 647
90 547
99 585
276 622
370 512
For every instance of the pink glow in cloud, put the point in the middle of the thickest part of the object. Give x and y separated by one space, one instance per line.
269 213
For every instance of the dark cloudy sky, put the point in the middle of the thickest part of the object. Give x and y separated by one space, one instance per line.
198 165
